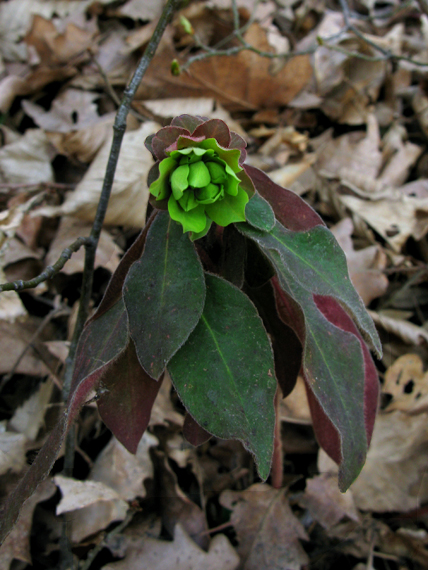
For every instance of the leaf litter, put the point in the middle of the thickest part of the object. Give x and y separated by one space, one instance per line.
348 134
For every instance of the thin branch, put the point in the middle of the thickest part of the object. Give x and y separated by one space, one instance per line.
49 271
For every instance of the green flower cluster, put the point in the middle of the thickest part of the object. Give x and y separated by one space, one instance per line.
202 185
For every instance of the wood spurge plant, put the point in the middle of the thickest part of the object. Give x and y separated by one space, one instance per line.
234 286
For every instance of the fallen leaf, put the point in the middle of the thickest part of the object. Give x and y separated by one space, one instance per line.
93 506
27 160
394 475
295 408
365 265
181 554
14 339
12 451
326 503
392 323
107 255
266 528
123 471
407 384
129 197
28 418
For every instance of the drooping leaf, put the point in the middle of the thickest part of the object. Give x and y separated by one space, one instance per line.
291 210
259 213
337 383
126 396
233 258
164 294
224 374
102 340
315 260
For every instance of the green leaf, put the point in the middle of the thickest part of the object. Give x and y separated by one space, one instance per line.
160 187
260 214
164 294
192 221
315 260
229 210
333 366
224 374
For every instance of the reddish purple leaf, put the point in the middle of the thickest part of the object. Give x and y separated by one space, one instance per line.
214 129
293 212
236 141
127 394
188 122
193 432
164 138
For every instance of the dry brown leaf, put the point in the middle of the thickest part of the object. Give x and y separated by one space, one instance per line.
242 81
163 411
16 17
123 471
356 151
28 160
407 384
392 323
17 544
395 219
266 528
14 339
326 503
54 47
177 507
181 554
28 418
290 173
107 255
73 125
59 348
394 475
365 265
129 197
141 9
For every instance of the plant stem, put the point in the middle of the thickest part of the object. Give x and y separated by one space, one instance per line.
278 454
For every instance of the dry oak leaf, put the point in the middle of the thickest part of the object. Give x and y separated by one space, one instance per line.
181 554
27 160
407 384
266 528
395 322
242 81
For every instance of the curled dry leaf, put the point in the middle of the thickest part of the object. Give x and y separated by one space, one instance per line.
129 195
28 418
12 451
407 331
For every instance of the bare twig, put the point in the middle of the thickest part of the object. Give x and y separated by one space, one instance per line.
49 271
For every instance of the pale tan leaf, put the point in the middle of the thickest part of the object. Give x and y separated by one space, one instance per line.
181 554
28 160
78 494
28 418
12 451
295 408
14 339
123 471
